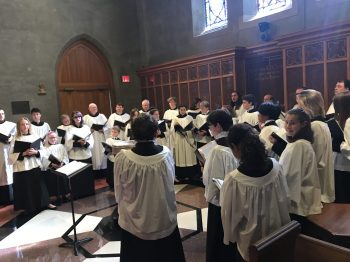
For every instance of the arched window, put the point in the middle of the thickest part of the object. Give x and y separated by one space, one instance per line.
215 14
255 9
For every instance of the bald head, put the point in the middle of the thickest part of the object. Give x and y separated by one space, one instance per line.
93 108
145 105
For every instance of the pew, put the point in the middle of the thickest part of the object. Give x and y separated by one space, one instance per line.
278 246
287 244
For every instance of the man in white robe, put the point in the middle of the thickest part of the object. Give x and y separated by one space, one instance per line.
120 119
39 128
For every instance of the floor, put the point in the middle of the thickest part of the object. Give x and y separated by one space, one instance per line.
38 238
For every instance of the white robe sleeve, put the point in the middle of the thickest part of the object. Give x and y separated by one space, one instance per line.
345 146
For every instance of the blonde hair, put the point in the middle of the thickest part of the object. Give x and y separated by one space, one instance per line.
18 134
312 102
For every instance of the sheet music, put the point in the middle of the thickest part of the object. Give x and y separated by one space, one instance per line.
7 127
72 167
207 148
218 182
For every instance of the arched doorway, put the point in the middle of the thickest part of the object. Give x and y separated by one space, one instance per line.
84 76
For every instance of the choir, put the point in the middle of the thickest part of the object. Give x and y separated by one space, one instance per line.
271 172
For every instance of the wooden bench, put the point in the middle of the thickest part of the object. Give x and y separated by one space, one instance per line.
288 245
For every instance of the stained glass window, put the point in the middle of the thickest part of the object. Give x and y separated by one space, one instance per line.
215 14
269 5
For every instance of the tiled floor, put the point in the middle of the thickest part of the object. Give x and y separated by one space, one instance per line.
37 238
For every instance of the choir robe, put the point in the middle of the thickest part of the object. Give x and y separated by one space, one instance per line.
199 122
170 114
62 140
331 109
111 141
268 128
183 152
144 191
6 171
128 133
299 165
250 117
56 185
219 163
253 207
322 146
40 129
99 159
124 118
29 188
342 168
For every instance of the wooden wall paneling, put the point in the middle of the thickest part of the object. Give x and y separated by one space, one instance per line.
314 75
193 91
144 93
227 89
151 96
184 98
203 71
166 95
159 99
294 80
175 91
203 87
215 93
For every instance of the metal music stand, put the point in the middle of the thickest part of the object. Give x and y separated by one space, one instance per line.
75 243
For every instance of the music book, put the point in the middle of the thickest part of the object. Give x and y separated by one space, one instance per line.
4 138
336 131
71 168
108 148
97 127
207 148
330 116
21 146
218 182
61 132
194 114
120 124
161 125
54 159
130 134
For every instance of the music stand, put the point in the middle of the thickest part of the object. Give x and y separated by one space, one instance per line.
68 171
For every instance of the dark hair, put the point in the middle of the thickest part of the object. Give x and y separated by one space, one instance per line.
305 132
221 117
133 111
119 104
75 114
342 107
250 98
238 103
144 127
152 111
195 102
252 150
346 83
269 109
35 110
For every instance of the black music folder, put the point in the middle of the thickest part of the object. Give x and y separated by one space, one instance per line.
97 127
4 138
21 146
122 125
336 131
61 132
108 148
161 126
54 160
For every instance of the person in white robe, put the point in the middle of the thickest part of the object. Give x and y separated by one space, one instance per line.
299 164
144 191
145 106
119 118
311 101
39 128
97 123
79 144
220 162
7 132
202 136
61 130
250 115
341 148
184 148
111 141
53 156
172 112
254 197
134 113
29 188
163 135
340 87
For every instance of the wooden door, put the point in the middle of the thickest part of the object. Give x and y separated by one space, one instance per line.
84 77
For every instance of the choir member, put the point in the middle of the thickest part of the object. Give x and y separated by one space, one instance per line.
62 129
297 92
268 113
202 131
268 98
300 166
7 132
111 141
39 128
134 113
254 197
144 190
195 108
181 135
172 112
79 144
342 155
29 188
145 106
340 87
119 118
250 116
236 104
219 163
311 101
97 123
163 136
53 156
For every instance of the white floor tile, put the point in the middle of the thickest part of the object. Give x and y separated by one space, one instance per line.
112 247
